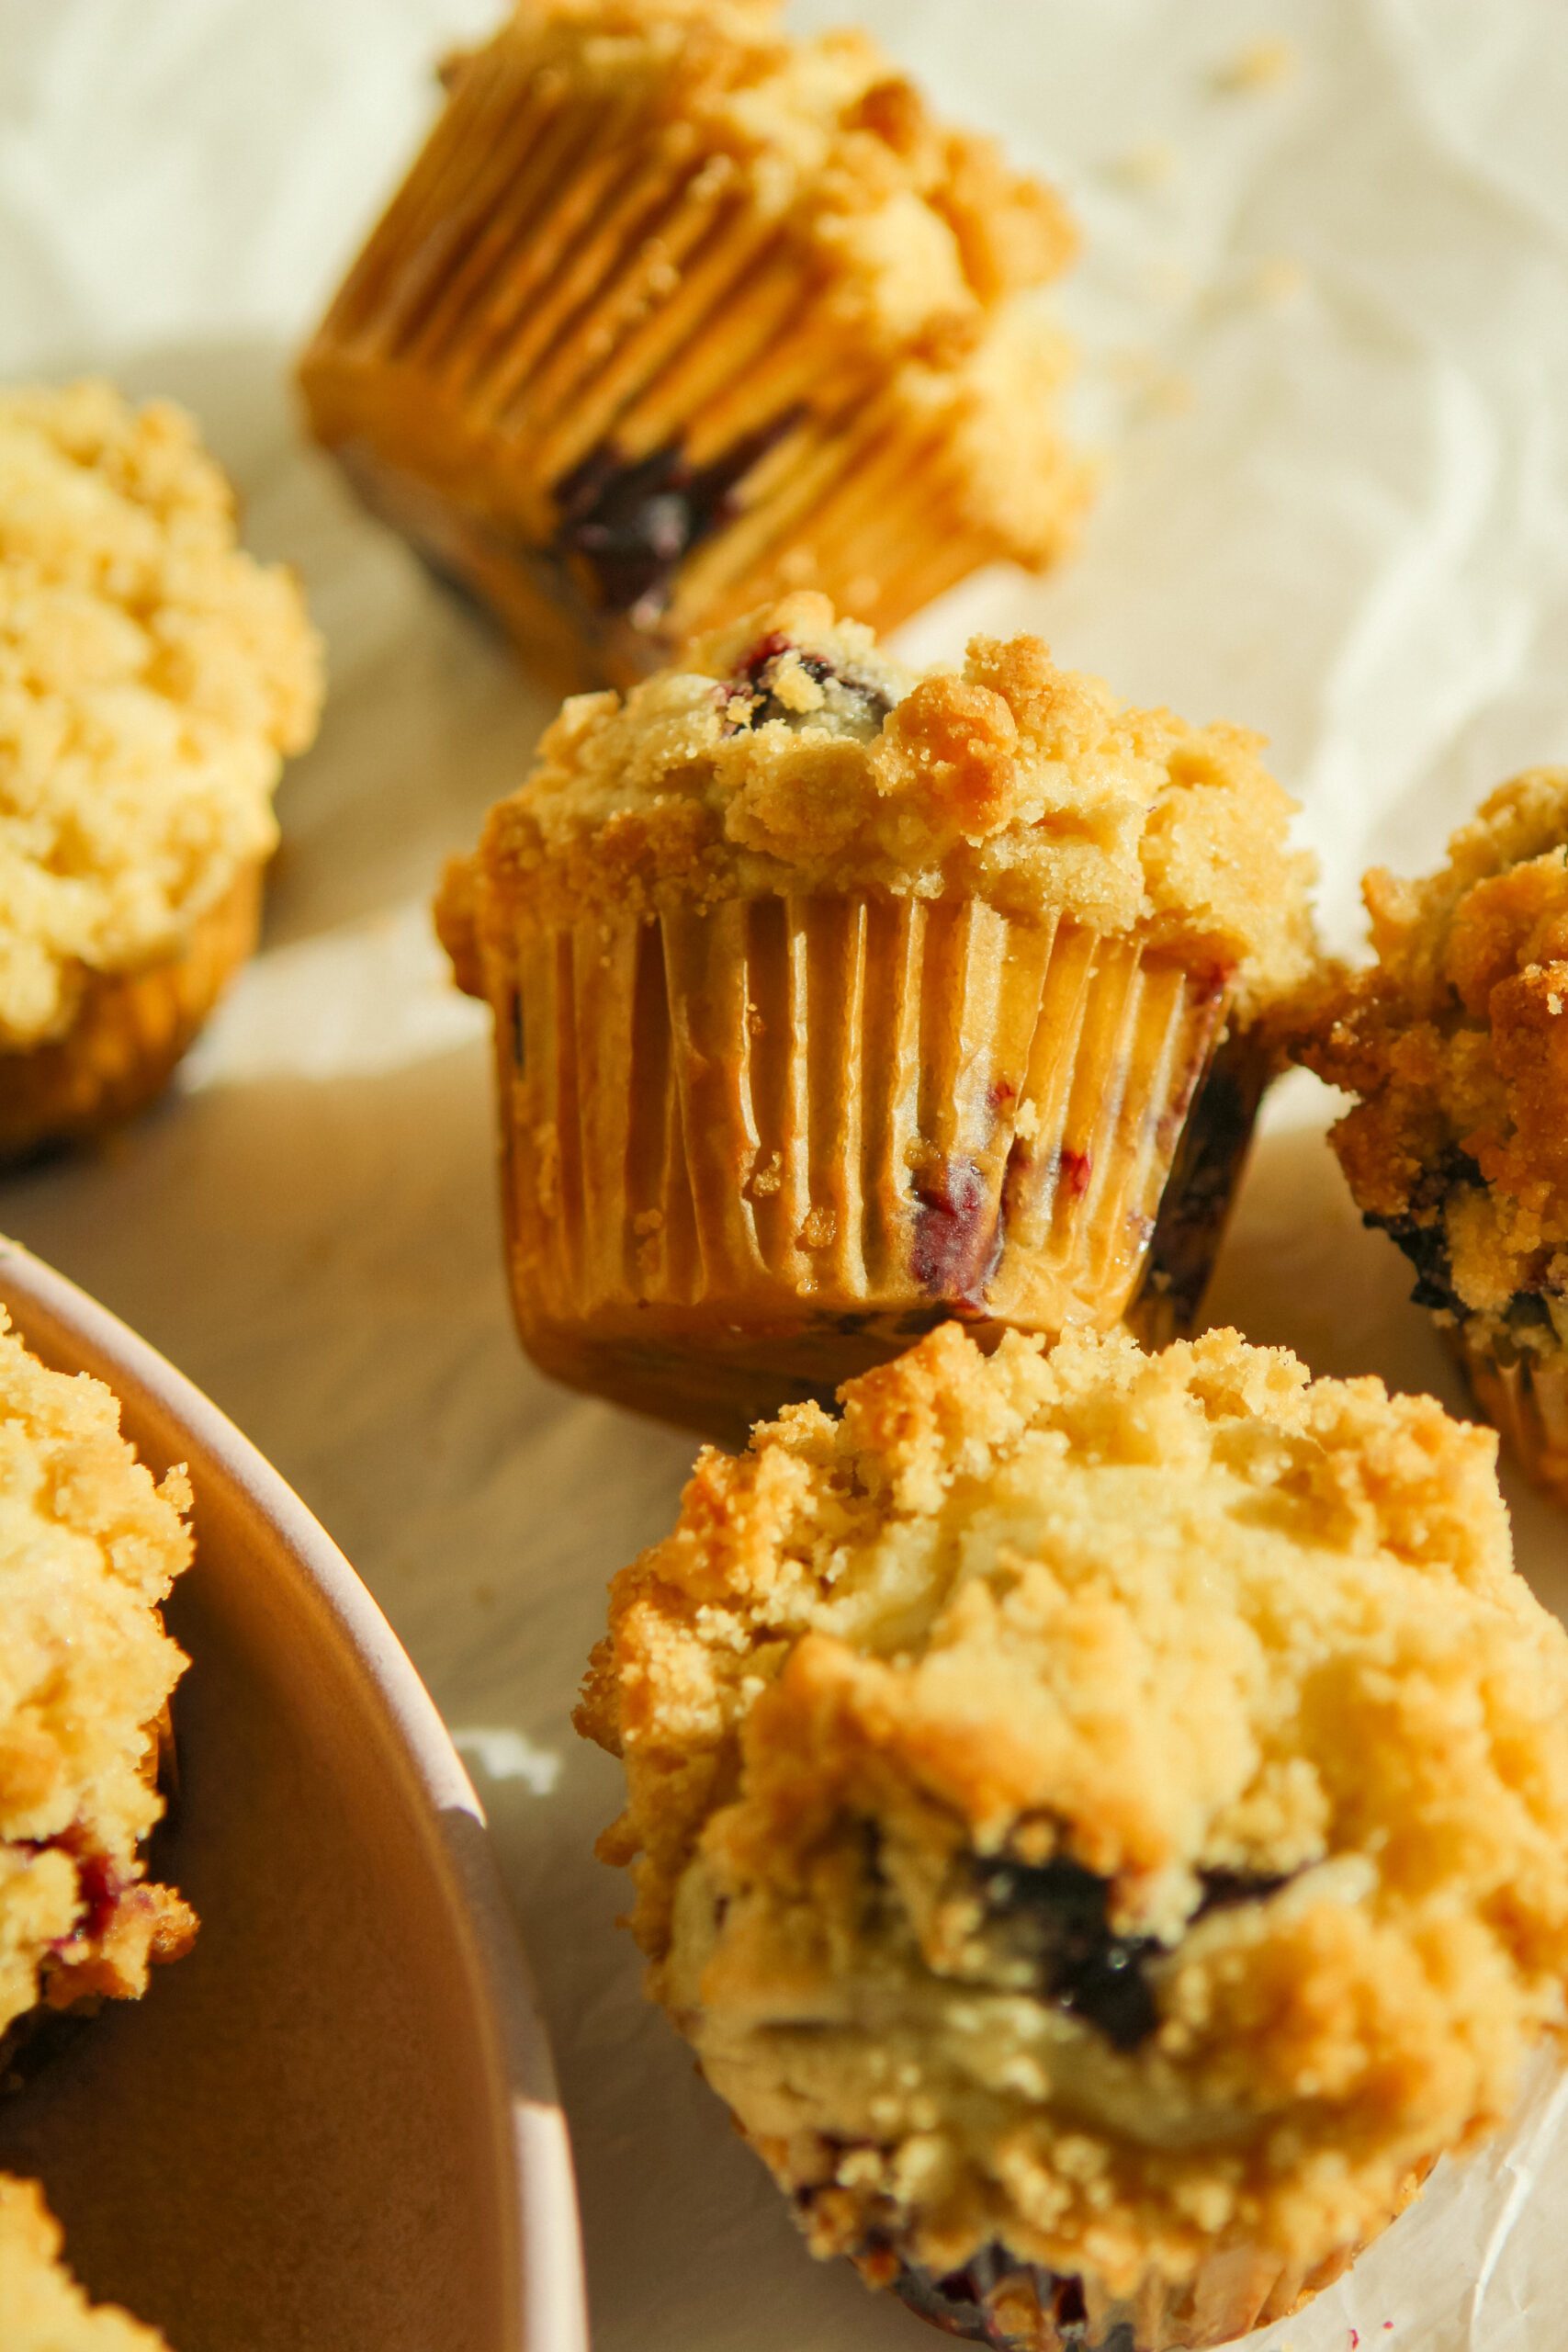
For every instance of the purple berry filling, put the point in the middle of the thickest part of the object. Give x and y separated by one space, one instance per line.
630 523
958 1236
853 705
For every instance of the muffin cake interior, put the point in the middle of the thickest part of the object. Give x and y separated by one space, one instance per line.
1095 1812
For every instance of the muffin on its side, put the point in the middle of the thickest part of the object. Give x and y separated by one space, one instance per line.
89 1548
831 1001
674 313
1101 1821
1456 1041
152 676
42 2308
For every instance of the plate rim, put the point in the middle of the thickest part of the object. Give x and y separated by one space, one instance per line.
547 2291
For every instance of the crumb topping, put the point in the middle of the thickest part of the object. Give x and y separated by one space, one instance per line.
1456 1041
152 675
42 2308
1109 1805
89 1547
787 754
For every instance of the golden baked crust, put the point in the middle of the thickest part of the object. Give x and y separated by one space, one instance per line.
41 2307
786 754
1110 1806
1456 1040
152 675
89 1547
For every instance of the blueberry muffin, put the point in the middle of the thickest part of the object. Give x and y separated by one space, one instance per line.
152 676
1455 1042
89 1548
831 1001
674 313
1100 1819
41 2307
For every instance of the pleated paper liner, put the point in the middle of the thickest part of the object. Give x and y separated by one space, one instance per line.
129 1033
1525 1399
749 1152
1021 2308
590 377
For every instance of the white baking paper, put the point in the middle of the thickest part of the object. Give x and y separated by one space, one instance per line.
1325 296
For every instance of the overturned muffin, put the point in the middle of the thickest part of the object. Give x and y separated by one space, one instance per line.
674 313
41 2307
831 1001
1456 1041
1100 1819
89 1548
152 676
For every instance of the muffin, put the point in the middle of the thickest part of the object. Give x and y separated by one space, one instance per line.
1100 1819
830 1002
150 678
41 2307
1454 1041
675 313
89 1547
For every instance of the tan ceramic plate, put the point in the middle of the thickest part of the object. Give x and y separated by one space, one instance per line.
334 2126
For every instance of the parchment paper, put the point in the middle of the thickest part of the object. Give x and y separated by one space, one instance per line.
1327 310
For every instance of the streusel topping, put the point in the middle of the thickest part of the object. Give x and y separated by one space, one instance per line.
787 754
89 1546
1109 1805
42 2308
1456 1040
152 675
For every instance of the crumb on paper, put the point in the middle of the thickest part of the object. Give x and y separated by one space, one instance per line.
1264 65
1152 163
1277 280
1156 388
502 1754
1168 282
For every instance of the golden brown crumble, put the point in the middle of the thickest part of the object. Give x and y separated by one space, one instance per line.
1245 1649
1456 1041
89 1547
152 675
787 754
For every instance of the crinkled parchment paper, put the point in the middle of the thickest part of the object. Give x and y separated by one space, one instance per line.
1325 292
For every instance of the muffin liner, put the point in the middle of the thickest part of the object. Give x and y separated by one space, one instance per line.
591 375
129 1031
1022 2308
1525 1399
748 1151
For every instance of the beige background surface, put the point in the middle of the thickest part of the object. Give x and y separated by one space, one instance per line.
1329 328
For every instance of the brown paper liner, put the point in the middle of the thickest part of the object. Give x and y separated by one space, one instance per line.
748 1152
129 1031
1021 2308
1526 1401
584 372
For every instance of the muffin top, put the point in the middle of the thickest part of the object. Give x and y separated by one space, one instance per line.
41 2307
922 230
1112 1805
151 676
1456 1042
89 1546
787 754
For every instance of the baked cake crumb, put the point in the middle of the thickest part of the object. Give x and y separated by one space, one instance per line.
1104 1807
41 2307
90 1546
